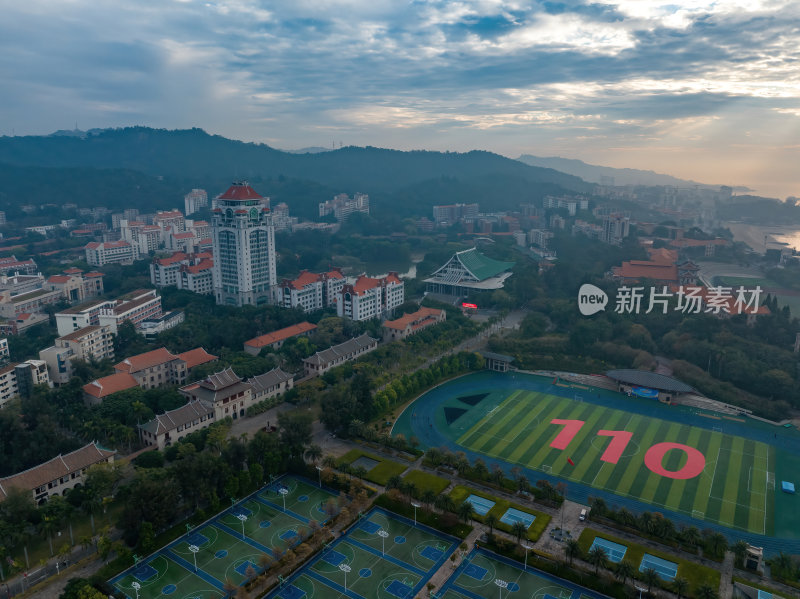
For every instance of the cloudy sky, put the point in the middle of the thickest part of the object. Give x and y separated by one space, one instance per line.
701 89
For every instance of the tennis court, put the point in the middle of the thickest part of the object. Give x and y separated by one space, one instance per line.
486 575
232 547
480 505
614 551
512 516
666 570
383 555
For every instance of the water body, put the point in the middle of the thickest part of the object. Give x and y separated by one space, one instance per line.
766 237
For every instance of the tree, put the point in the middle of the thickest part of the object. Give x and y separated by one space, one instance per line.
313 453
680 586
445 503
716 544
740 551
428 497
650 577
691 536
572 550
491 521
623 571
519 529
295 431
465 511
706 591
597 557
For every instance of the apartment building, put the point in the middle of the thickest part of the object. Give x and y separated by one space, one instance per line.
342 206
311 291
94 342
19 379
111 252
370 298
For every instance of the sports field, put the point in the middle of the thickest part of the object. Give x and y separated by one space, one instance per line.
490 576
734 487
721 469
233 546
383 556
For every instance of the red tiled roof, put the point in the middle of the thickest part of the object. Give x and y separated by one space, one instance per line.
169 214
305 278
59 279
205 241
201 266
103 387
93 275
176 257
185 235
73 271
240 191
365 283
200 223
416 319
195 357
641 269
335 274
108 244
663 256
280 335
392 278
146 360
693 243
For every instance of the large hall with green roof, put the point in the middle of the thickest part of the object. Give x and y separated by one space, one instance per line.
468 272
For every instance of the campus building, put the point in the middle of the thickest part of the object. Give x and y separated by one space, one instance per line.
370 298
409 324
338 354
311 291
468 272
342 206
94 342
224 392
194 201
277 338
111 252
192 272
57 476
173 425
136 306
244 248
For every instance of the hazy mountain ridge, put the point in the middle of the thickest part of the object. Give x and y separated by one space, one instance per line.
622 176
194 155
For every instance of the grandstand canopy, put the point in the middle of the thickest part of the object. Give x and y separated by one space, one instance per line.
644 378
467 271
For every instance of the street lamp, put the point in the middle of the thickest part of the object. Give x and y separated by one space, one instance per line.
383 534
416 505
194 549
284 492
344 568
501 584
640 589
319 475
136 586
527 548
242 519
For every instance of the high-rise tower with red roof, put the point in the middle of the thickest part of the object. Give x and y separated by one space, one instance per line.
243 238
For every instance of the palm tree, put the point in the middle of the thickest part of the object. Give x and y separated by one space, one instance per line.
572 550
313 453
740 551
465 511
519 529
599 507
394 482
716 543
491 521
706 591
445 503
680 586
623 571
428 497
691 536
597 557
626 517
650 577
782 565
360 472
329 461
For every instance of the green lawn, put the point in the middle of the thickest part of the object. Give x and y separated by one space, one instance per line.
425 481
460 493
695 574
381 472
731 489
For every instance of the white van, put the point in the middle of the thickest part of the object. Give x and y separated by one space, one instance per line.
583 515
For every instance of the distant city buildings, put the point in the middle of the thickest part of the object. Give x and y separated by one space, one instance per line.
445 216
194 201
342 206
244 269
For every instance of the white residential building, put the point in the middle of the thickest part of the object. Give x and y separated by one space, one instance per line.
94 342
370 298
111 252
342 206
136 306
311 291
194 201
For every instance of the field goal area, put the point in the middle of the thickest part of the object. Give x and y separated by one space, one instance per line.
547 468
577 397
759 482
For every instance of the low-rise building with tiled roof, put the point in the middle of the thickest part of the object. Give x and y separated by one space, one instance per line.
338 354
408 324
272 383
57 476
226 392
277 338
95 392
172 426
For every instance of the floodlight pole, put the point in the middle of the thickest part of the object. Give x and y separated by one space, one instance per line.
640 589
344 568
136 586
383 534
416 505
319 475
527 548
284 493
194 549
242 519
501 584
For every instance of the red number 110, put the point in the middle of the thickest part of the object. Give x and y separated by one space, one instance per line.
653 457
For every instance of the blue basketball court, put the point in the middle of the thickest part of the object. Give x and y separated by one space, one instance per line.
666 570
513 516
